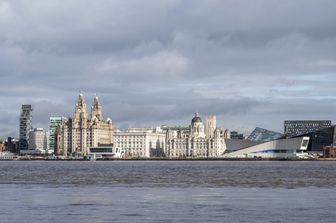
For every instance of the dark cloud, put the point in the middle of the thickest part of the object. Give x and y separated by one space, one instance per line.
252 63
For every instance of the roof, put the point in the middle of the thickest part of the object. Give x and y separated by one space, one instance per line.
237 144
196 118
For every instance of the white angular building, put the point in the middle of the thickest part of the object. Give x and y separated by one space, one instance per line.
77 134
196 141
279 149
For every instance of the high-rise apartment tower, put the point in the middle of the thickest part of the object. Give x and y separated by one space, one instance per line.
25 126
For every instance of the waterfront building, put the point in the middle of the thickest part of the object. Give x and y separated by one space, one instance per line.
105 152
141 142
38 143
38 140
11 145
300 127
77 134
61 139
194 142
329 152
2 146
263 135
210 127
320 138
25 126
280 148
54 123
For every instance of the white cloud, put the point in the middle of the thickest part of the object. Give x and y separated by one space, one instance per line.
243 60
164 64
326 63
5 11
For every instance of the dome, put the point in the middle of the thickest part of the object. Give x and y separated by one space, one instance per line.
196 118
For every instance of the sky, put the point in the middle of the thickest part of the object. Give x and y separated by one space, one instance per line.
250 63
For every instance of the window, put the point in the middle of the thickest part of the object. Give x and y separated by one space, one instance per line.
305 143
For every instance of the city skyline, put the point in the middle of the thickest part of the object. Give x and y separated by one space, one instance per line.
167 111
87 134
249 63
116 126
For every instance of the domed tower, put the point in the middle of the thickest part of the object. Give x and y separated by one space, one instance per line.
80 114
96 110
79 127
197 127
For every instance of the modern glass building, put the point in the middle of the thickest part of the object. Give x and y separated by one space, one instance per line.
54 123
320 138
25 126
263 135
300 127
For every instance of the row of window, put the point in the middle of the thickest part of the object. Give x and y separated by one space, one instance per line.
135 154
127 137
129 145
197 146
133 140
183 154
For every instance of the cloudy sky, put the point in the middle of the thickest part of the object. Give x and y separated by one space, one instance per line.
251 63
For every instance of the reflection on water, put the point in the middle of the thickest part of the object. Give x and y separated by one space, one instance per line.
171 173
167 191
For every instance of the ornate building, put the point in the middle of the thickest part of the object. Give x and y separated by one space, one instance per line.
141 142
194 142
77 134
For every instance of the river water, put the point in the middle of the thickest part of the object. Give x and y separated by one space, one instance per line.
167 191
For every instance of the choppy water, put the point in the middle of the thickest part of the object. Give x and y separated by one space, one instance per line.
182 191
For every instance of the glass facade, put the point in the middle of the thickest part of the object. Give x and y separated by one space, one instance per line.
300 127
25 126
263 135
100 150
54 123
320 138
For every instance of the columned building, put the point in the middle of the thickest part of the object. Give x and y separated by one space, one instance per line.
77 134
197 141
79 127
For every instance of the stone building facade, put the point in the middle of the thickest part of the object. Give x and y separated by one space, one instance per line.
196 141
38 140
77 134
141 142
11 145
2 146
